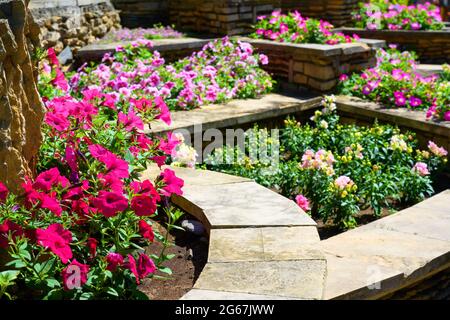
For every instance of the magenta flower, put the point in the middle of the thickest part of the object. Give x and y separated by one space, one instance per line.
173 184
74 275
303 202
110 203
114 260
131 121
400 99
57 239
414 102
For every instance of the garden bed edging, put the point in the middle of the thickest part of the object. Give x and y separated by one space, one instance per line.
430 45
316 66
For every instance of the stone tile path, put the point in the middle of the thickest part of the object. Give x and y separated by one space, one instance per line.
258 240
262 246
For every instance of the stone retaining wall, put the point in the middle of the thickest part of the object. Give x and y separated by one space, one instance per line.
364 112
21 109
73 23
222 17
237 16
135 13
171 49
315 66
431 46
338 12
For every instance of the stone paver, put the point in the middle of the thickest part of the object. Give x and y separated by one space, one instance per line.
193 177
395 251
302 279
245 204
263 244
235 112
197 294
95 51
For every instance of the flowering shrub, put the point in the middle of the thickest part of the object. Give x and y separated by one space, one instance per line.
79 229
157 32
335 170
395 83
224 69
296 29
382 14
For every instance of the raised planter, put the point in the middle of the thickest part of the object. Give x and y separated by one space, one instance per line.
170 49
354 109
316 66
338 12
232 17
256 234
431 46
240 113
222 17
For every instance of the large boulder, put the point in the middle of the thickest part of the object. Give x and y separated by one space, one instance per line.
21 109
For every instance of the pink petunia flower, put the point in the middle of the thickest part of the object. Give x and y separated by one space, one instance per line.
74 275
57 239
303 202
110 203
173 183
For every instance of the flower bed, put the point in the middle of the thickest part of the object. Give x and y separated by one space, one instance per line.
156 32
336 170
293 28
415 27
224 69
383 15
305 53
431 46
170 49
395 83
79 229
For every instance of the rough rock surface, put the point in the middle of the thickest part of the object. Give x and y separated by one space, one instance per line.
21 109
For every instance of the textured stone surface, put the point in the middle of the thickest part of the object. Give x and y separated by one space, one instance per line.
198 294
245 204
170 49
263 244
390 253
316 66
21 110
355 109
431 46
73 23
236 112
302 279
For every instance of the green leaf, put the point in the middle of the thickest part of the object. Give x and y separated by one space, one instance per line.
17 264
111 291
165 270
8 276
52 283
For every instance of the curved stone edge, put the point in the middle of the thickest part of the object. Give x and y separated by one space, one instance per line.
258 239
236 112
368 262
389 254
415 120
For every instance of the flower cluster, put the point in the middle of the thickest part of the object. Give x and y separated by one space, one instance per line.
382 15
78 229
396 82
293 28
224 69
354 167
156 32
